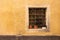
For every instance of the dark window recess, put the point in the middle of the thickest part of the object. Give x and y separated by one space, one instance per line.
37 18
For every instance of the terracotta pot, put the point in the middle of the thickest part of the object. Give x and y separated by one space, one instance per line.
30 27
35 26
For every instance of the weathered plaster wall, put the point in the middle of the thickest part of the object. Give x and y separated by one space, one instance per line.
13 12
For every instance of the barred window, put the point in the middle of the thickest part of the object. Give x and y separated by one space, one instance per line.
37 18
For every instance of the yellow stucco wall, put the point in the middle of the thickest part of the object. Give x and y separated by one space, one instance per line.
13 12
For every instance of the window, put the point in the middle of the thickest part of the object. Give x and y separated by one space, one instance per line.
37 17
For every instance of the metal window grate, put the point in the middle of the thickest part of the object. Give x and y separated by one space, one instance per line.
37 18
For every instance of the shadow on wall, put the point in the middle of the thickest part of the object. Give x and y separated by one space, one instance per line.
29 37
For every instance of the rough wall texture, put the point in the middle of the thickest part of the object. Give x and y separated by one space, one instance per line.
13 12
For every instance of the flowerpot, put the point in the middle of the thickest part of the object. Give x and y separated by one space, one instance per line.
35 26
30 26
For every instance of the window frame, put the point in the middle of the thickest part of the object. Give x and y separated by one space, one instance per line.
47 17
